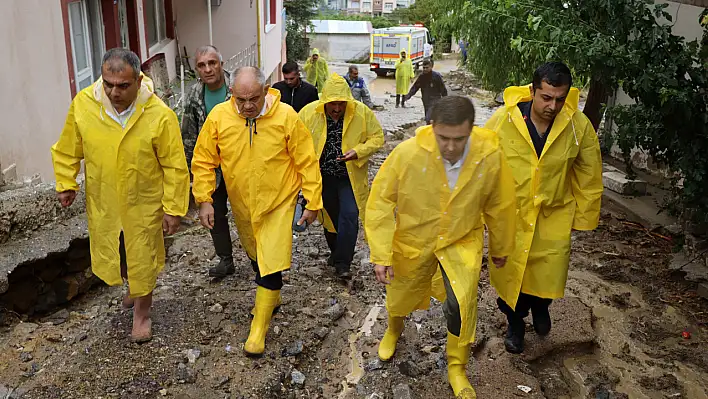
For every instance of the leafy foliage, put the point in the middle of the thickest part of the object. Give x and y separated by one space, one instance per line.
376 21
612 44
299 13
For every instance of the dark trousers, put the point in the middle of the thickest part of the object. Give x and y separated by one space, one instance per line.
221 234
451 308
272 281
525 303
400 99
340 204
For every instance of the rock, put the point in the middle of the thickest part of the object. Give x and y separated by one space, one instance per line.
307 312
335 312
24 329
24 357
431 349
297 378
9 174
34 368
703 290
163 392
322 332
375 395
216 308
293 349
185 374
223 381
192 355
54 337
276 330
619 183
373 364
409 369
5 391
402 391
59 317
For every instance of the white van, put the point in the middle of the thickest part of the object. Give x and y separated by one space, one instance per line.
387 44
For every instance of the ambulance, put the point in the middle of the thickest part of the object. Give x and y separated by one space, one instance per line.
387 44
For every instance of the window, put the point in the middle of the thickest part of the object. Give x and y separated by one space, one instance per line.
269 10
388 6
155 21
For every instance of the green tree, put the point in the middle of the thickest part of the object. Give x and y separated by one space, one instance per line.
609 45
298 13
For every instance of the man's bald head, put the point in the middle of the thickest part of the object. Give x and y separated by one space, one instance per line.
249 91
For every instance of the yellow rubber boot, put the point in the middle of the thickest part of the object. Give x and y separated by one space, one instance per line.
387 346
266 301
457 358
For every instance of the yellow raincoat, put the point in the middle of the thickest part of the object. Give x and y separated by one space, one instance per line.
318 72
415 222
404 74
134 175
556 193
265 165
362 133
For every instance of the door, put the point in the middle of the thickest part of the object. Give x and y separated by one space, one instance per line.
123 20
80 44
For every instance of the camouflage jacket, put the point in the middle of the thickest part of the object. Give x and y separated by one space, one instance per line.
194 117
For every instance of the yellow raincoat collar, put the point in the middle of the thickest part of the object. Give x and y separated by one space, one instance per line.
147 89
336 89
513 95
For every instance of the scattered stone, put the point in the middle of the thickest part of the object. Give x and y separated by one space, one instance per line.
9 174
223 381
216 308
192 355
24 357
322 332
185 374
335 312
23 329
81 337
34 368
297 378
59 317
163 392
307 312
409 369
373 364
431 349
293 349
54 337
276 330
402 391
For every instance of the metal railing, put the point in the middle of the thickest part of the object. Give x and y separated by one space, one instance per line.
246 57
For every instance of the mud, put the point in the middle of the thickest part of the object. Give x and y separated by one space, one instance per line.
617 334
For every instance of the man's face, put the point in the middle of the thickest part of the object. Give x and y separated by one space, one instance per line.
315 57
427 68
403 56
209 68
292 79
121 87
548 100
452 140
353 74
335 109
249 96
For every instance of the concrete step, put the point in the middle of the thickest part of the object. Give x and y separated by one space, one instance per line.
617 181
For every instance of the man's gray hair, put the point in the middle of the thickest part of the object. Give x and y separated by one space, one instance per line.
257 73
353 68
116 59
207 49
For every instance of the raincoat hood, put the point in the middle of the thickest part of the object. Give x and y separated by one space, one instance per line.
315 51
147 89
513 95
336 89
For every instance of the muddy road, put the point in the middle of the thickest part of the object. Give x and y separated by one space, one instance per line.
622 331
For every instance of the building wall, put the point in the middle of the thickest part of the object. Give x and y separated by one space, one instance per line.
234 25
36 93
271 42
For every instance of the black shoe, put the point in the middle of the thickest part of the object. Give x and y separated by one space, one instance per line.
224 268
514 341
330 260
342 271
541 320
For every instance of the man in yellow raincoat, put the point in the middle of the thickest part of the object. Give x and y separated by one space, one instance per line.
554 153
425 214
137 181
345 133
317 70
267 157
404 74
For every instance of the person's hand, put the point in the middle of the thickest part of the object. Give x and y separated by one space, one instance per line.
384 274
307 216
349 156
499 262
66 198
170 224
206 215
